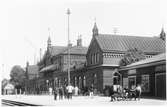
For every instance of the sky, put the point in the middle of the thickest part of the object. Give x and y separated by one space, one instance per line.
24 24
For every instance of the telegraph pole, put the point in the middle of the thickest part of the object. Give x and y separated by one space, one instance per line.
68 14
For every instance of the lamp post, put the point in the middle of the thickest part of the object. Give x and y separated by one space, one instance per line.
68 13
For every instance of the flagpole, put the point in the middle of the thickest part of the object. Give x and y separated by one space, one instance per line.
68 13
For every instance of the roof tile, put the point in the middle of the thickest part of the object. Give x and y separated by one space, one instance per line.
77 50
57 49
124 43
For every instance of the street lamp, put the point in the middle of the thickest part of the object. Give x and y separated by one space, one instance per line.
68 13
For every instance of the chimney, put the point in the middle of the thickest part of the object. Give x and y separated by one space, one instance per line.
79 41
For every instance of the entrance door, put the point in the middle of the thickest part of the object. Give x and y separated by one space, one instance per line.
116 79
131 81
160 80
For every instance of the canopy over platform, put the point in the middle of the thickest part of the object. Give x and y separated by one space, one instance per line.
158 59
48 68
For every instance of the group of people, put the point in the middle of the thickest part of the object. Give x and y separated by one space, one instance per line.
65 92
68 91
118 93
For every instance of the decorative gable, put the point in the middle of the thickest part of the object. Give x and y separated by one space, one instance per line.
94 53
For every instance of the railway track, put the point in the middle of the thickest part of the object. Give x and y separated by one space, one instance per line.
16 103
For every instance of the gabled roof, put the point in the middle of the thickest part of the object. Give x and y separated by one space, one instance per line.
76 50
57 49
123 43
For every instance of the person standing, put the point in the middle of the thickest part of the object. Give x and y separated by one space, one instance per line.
76 91
50 90
91 91
61 93
65 91
138 91
55 93
69 90
111 93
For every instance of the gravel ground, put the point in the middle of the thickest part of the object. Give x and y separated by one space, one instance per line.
47 100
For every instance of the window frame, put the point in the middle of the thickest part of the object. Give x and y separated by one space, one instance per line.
148 80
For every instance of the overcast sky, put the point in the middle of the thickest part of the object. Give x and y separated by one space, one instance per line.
24 24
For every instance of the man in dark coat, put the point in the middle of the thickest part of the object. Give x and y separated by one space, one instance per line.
55 93
61 93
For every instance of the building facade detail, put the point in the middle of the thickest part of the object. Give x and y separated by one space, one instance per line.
99 64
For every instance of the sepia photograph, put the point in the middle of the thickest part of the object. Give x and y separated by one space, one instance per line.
83 52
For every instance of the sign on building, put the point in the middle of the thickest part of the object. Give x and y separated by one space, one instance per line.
132 71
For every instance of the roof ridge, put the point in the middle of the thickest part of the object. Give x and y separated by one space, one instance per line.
128 35
58 46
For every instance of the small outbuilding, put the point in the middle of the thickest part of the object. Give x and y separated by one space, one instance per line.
9 89
150 73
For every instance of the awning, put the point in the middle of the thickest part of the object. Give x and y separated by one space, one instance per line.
48 68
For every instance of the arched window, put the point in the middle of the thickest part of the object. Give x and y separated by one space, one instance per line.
95 80
80 82
117 78
59 82
95 58
56 82
91 59
75 81
84 81
98 57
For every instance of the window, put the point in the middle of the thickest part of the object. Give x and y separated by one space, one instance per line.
75 79
132 82
84 81
59 82
95 58
145 83
91 58
95 80
80 82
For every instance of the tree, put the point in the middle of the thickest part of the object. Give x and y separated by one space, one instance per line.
18 76
132 55
4 82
